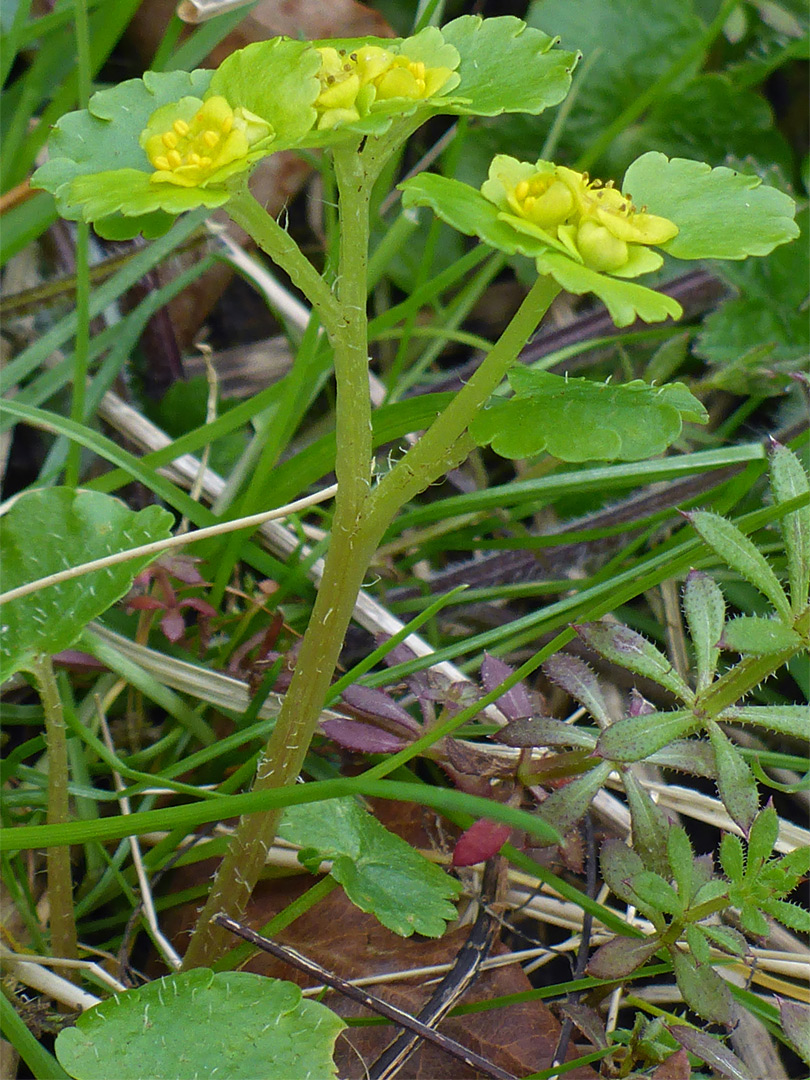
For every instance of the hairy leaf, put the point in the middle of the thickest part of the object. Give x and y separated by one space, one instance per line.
735 781
795 1019
705 610
789 720
638 737
789 481
650 825
702 988
756 635
575 676
630 650
711 1050
742 555
545 731
621 956
565 806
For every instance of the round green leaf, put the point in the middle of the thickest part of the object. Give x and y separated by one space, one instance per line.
232 1024
49 530
507 66
721 214
104 138
550 412
275 79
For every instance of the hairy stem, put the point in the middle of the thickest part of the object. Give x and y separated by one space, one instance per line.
445 443
60 885
352 545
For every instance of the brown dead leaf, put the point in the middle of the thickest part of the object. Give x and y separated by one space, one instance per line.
676 1067
305 19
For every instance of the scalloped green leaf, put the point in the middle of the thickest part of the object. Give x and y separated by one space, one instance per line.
49 530
104 137
582 420
131 193
201 1024
507 66
275 79
637 737
721 214
756 635
625 300
466 209
705 608
379 871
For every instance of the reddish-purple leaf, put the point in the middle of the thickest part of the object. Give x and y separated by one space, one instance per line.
77 660
480 842
711 1050
621 956
355 735
376 704
515 703
544 731
676 1067
183 568
201 606
145 603
172 625
574 676
796 1023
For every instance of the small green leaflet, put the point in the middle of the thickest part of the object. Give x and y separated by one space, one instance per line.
379 871
581 420
233 1024
50 530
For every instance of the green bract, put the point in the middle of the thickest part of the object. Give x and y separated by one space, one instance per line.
155 147
589 236
100 156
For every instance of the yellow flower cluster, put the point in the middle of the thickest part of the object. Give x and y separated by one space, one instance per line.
594 221
352 81
190 141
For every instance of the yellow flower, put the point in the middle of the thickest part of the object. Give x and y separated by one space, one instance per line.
191 142
593 222
352 81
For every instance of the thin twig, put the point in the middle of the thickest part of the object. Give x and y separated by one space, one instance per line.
370 1001
172 542
465 969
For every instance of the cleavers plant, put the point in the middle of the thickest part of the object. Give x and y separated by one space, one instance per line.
152 148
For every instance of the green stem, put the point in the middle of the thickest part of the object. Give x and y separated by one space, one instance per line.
445 444
352 545
60 885
741 680
248 213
